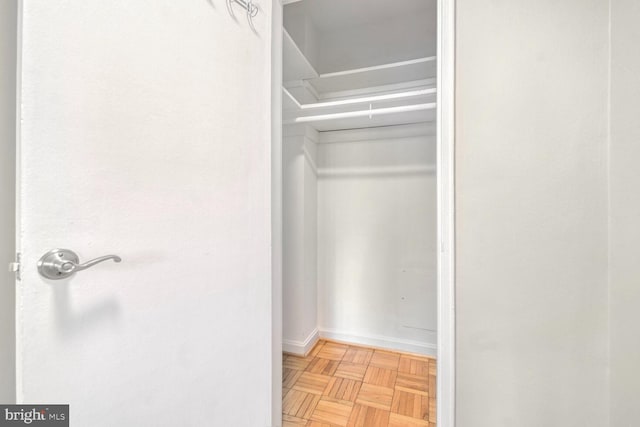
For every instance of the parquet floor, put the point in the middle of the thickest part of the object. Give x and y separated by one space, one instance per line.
340 385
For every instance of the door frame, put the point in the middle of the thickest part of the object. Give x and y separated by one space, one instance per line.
445 124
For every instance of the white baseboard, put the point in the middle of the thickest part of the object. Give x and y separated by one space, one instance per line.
301 348
417 347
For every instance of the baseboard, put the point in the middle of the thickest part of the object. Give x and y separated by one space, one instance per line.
301 348
378 341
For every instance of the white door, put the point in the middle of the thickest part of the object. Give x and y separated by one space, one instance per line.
145 132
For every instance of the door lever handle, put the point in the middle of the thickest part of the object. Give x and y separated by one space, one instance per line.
70 266
61 263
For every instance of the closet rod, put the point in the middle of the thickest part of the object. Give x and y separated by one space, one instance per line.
372 98
364 113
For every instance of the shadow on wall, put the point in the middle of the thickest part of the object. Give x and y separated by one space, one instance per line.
71 322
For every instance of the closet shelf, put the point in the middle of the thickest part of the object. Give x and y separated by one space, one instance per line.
380 75
382 95
296 64
289 102
297 68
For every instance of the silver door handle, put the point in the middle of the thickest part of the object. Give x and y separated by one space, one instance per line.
62 263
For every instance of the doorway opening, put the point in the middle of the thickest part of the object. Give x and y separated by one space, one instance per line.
367 224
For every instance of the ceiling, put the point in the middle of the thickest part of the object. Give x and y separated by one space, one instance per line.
330 15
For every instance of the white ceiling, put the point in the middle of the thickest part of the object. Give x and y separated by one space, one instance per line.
331 15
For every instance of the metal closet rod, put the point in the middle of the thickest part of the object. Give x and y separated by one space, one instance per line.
364 113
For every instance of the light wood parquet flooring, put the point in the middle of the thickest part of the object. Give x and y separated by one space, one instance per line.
340 385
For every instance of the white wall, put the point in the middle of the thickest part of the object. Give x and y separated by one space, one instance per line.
625 213
355 47
341 35
310 233
302 31
377 237
531 214
8 32
299 240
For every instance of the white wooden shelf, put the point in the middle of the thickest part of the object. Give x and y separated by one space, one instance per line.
289 102
370 108
296 64
376 76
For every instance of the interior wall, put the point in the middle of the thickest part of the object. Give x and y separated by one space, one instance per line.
531 213
8 43
624 296
310 226
299 240
302 31
377 237
353 47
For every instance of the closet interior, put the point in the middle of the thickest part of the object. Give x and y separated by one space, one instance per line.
359 174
